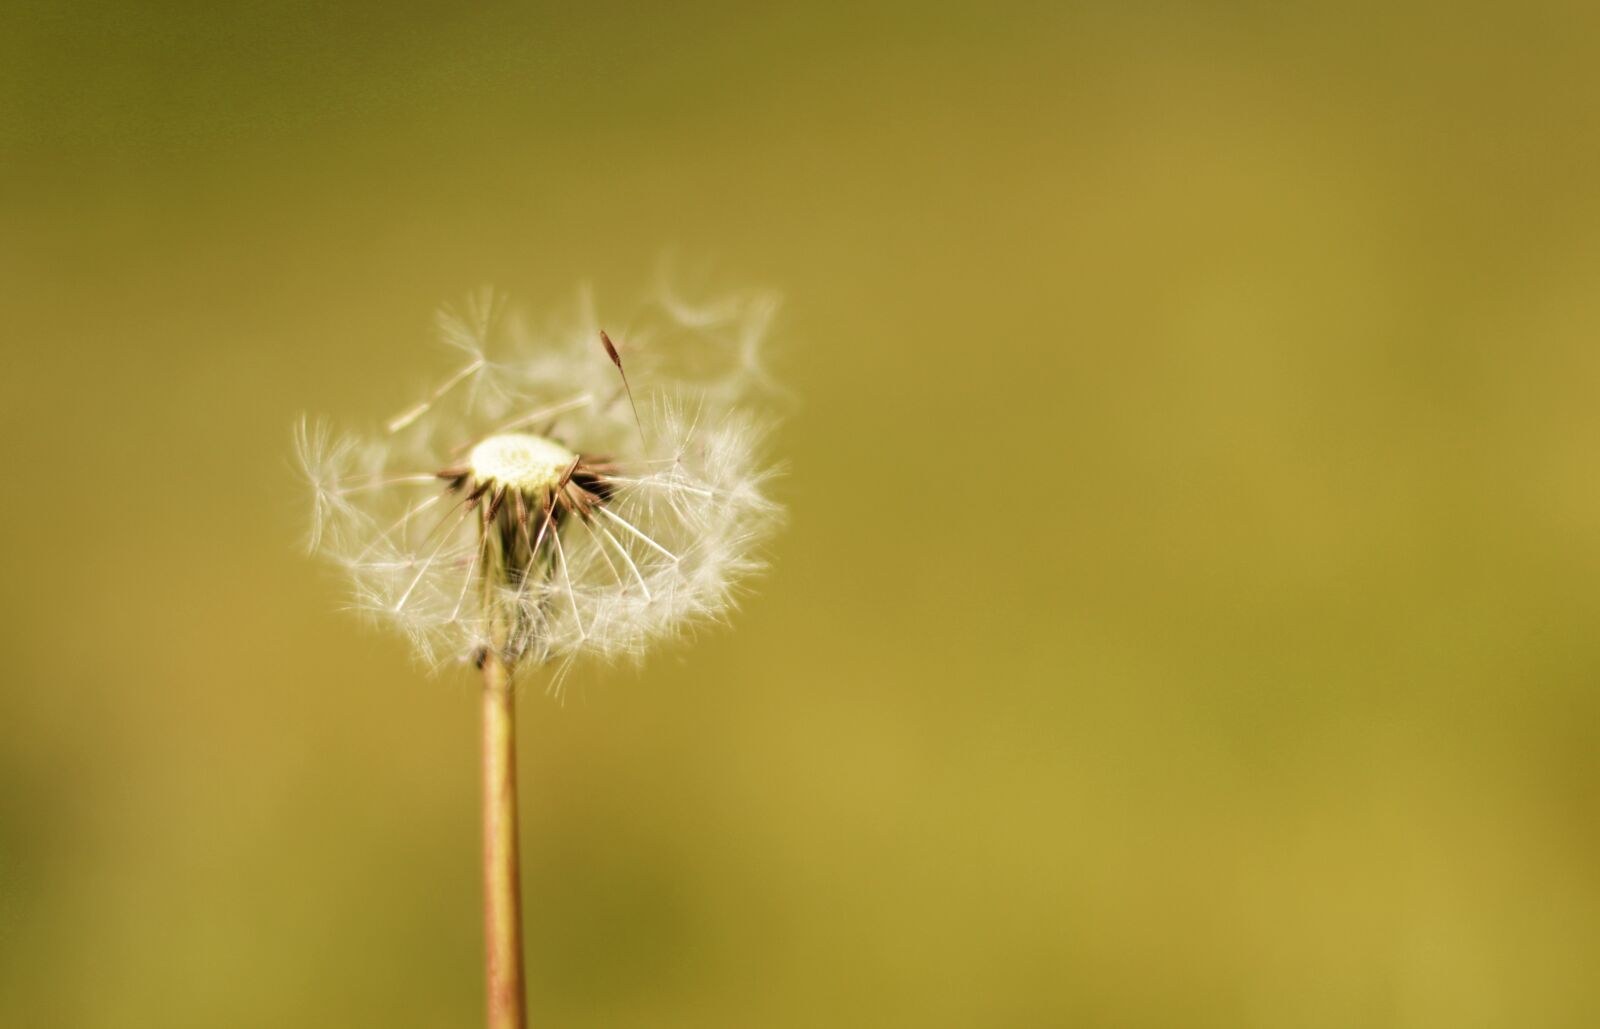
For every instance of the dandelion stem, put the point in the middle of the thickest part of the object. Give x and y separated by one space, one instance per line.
502 893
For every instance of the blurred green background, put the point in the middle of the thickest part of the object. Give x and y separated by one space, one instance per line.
1187 616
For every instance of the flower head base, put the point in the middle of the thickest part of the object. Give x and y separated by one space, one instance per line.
520 461
528 508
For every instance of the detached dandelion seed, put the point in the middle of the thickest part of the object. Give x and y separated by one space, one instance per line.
531 511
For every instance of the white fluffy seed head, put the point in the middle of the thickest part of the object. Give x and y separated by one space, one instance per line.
644 538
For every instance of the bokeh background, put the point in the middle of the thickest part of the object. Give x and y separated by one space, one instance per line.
1188 611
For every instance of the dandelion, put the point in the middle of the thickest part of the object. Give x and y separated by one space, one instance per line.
531 511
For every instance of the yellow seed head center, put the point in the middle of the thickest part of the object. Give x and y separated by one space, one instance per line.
520 461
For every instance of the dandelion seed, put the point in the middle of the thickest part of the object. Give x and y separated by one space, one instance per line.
616 359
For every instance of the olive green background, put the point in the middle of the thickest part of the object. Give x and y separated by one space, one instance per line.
1187 615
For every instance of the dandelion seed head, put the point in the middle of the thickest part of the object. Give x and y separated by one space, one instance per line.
537 504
